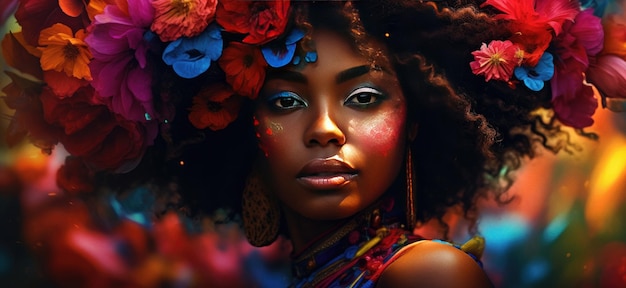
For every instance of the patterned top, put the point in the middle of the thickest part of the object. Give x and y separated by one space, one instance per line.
357 252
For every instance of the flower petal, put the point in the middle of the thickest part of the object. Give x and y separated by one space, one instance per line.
191 69
278 58
534 84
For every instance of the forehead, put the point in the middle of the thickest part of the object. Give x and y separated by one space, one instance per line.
335 53
336 48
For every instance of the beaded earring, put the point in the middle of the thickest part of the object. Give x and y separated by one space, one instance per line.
260 212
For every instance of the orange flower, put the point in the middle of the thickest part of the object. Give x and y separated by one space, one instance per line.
214 107
63 52
244 66
176 18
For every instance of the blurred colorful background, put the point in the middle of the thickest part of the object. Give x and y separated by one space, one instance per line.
564 227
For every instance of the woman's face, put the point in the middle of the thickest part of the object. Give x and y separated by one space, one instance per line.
333 131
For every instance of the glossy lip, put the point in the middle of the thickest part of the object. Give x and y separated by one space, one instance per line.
326 174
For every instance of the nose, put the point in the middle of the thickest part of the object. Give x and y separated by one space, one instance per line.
324 131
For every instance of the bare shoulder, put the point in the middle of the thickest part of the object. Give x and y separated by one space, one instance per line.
437 265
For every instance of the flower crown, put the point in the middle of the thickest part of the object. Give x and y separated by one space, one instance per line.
84 71
93 66
563 42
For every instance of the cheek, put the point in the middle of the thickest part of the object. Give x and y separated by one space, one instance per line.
382 133
270 134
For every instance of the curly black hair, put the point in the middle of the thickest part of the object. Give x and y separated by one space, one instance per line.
471 133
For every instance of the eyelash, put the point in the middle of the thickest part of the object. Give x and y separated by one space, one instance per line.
367 91
276 101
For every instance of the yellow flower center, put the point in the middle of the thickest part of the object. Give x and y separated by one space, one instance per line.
496 59
181 7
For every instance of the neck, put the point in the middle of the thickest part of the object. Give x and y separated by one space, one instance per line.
303 231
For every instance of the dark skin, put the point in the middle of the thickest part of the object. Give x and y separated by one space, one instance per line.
339 108
434 265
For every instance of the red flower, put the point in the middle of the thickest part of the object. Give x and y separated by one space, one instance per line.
533 22
262 21
105 140
177 18
74 177
23 96
244 66
214 107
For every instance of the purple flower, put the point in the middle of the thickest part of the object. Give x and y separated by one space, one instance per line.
119 42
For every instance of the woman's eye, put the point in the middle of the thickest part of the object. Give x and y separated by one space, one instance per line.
286 100
364 96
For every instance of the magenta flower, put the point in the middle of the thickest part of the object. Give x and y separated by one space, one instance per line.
574 102
577 108
608 74
119 42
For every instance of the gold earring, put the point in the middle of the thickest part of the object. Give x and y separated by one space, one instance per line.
260 212
411 219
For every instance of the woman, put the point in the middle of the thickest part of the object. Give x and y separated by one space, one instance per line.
348 123
339 135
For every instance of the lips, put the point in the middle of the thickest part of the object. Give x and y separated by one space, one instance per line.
326 174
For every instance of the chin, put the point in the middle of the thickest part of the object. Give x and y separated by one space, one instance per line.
334 210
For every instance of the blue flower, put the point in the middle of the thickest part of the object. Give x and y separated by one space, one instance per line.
191 57
534 77
598 6
282 55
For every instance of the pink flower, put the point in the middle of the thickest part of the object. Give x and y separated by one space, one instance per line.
495 61
120 68
533 22
176 18
262 21
579 40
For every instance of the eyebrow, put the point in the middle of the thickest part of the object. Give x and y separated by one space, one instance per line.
352 73
287 75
